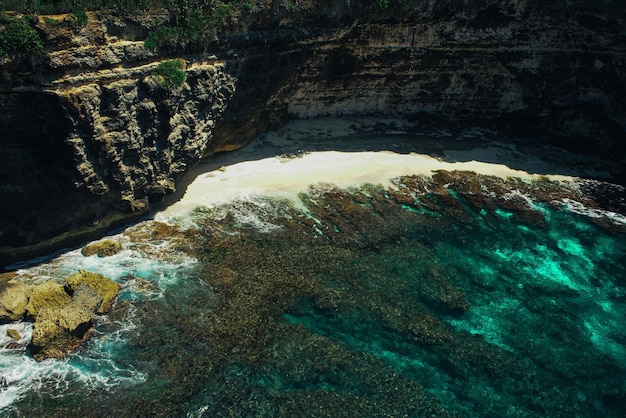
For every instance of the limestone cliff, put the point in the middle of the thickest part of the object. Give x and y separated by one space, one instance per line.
89 137
554 73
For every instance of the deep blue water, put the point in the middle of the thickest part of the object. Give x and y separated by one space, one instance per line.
361 306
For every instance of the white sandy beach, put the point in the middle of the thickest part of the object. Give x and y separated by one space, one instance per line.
286 176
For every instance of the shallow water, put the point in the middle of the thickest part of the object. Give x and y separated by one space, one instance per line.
411 300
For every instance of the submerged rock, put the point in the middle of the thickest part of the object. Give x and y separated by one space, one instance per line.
104 248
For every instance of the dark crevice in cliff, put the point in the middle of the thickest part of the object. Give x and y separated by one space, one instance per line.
36 164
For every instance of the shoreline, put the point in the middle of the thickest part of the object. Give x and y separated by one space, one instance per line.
348 152
286 177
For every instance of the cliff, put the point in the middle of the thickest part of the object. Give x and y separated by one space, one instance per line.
90 138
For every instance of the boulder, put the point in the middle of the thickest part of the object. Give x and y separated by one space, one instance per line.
58 332
13 301
48 294
104 248
63 313
106 288
14 334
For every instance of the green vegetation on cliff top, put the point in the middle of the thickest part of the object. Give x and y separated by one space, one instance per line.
19 36
170 74
192 24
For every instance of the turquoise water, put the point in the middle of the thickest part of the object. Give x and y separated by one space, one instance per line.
364 305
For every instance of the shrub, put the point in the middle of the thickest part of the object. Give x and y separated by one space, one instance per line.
79 18
20 37
162 36
386 4
195 28
170 74
192 23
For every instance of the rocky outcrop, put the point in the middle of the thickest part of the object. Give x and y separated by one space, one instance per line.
46 295
104 248
91 139
63 313
13 301
58 332
104 288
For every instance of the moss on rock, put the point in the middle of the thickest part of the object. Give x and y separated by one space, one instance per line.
48 294
101 285
104 248
13 301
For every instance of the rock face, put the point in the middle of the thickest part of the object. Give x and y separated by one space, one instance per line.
550 73
90 139
63 314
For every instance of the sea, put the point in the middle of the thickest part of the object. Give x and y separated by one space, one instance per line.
352 268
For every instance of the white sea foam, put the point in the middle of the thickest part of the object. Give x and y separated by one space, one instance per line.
95 371
58 376
144 272
248 211
580 209
154 261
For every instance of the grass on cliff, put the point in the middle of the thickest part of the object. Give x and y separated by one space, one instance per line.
170 74
192 23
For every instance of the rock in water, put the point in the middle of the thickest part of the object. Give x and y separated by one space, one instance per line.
14 334
104 287
104 248
63 312
13 301
58 332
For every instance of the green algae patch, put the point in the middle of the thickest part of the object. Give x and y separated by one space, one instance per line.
104 248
